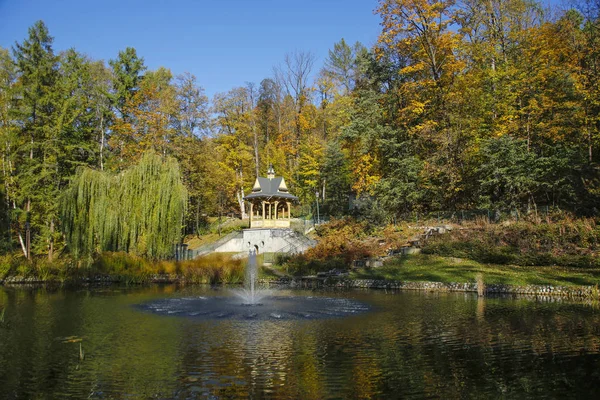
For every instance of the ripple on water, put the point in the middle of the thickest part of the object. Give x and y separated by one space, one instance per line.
270 308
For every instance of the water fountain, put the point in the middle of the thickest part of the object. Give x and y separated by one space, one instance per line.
251 295
254 303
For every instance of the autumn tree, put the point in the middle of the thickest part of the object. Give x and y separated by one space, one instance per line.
193 148
148 122
233 121
294 75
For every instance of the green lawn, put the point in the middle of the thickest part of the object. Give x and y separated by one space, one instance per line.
447 269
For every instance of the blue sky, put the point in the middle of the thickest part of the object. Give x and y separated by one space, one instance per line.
225 43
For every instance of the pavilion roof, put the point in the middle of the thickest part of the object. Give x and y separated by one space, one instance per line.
266 188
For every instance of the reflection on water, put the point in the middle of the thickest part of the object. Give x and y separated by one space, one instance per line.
410 345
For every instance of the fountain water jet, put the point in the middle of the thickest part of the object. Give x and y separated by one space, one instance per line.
251 295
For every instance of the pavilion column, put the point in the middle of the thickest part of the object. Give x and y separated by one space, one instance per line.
251 213
289 212
276 205
263 204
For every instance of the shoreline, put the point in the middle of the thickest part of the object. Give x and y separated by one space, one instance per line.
585 292
427 286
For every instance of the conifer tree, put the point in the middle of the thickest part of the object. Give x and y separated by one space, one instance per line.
37 69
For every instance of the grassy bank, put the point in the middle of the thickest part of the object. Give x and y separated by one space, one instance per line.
125 268
431 268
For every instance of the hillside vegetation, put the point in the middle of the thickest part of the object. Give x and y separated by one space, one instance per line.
458 105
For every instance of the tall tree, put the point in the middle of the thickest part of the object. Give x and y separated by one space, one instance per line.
341 64
127 71
293 75
336 180
193 149
37 68
192 116
139 211
233 110
149 121
7 145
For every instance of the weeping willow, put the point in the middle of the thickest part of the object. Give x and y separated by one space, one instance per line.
138 211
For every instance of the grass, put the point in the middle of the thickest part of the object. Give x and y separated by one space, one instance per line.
194 242
210 232
269 273
423 267
212 268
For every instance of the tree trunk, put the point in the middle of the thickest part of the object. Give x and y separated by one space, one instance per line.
590 146
28 209
197 230
23 246
102 142
28 241
51 244
240 198
256 160
240 195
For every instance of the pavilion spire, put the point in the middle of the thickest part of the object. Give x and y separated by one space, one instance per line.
271 172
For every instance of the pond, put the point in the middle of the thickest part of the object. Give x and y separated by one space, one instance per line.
118 342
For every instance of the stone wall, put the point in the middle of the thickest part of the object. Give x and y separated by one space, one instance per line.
266 241
531 290
537 290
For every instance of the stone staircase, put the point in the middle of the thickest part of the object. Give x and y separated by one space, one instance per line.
296 243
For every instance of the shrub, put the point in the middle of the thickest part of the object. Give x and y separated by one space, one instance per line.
213 268
25 269
568 242
6 265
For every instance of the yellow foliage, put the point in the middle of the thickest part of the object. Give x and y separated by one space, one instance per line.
366 173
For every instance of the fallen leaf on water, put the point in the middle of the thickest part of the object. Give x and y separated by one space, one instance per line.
69 339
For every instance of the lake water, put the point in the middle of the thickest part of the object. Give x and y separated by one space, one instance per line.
399 345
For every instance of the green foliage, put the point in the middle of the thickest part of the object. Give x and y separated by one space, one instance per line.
336 174
511 175
139 211
303 265
7 265
404 190
341 64
37 149
127 70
